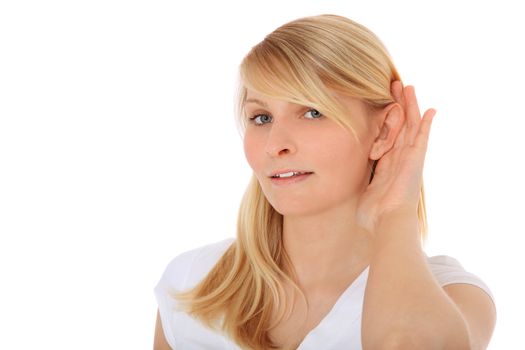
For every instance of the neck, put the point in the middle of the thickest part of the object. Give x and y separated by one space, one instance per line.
326 246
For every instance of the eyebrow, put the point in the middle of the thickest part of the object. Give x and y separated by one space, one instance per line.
254 100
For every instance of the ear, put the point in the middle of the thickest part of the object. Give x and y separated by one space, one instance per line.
391 120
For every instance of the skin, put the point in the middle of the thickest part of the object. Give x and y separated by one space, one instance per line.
159 341
335 222
326 227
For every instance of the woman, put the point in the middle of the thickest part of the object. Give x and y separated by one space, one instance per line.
328 251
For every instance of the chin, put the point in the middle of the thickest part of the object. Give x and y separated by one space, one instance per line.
296 208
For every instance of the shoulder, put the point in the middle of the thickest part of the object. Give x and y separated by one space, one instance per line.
189 267
448 270
470 294
182 273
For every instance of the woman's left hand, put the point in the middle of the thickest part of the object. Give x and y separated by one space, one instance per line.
398 175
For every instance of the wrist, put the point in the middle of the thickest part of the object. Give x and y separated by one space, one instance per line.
404 213
399 221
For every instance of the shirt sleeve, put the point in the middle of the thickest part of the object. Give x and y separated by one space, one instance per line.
173 279
448 270
182 273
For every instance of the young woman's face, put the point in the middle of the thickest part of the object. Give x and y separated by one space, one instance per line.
286 137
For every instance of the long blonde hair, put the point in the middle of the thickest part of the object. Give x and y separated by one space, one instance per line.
299 62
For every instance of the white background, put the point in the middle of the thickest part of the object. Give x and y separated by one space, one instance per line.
119 150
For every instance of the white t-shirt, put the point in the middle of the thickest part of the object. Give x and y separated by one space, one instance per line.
339 329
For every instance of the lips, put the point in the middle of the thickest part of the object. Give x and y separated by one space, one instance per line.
295 180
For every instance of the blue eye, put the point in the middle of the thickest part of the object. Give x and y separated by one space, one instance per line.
260 119
315 113
255 117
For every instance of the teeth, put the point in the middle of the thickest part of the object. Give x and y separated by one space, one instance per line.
289 174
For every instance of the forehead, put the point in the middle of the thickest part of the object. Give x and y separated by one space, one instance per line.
256 99
254 96
264 100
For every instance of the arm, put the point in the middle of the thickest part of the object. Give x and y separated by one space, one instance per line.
477 309
404 305
160 343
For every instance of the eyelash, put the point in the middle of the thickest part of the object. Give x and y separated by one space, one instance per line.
252 119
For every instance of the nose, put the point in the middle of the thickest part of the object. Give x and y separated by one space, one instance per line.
280 141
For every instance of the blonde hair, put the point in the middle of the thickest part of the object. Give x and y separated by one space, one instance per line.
300 62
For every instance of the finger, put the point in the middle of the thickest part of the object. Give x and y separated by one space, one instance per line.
413 115
421 141
396 88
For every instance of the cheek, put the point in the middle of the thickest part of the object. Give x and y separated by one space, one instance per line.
343 157
252 149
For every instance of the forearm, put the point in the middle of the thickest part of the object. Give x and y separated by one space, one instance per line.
403 302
